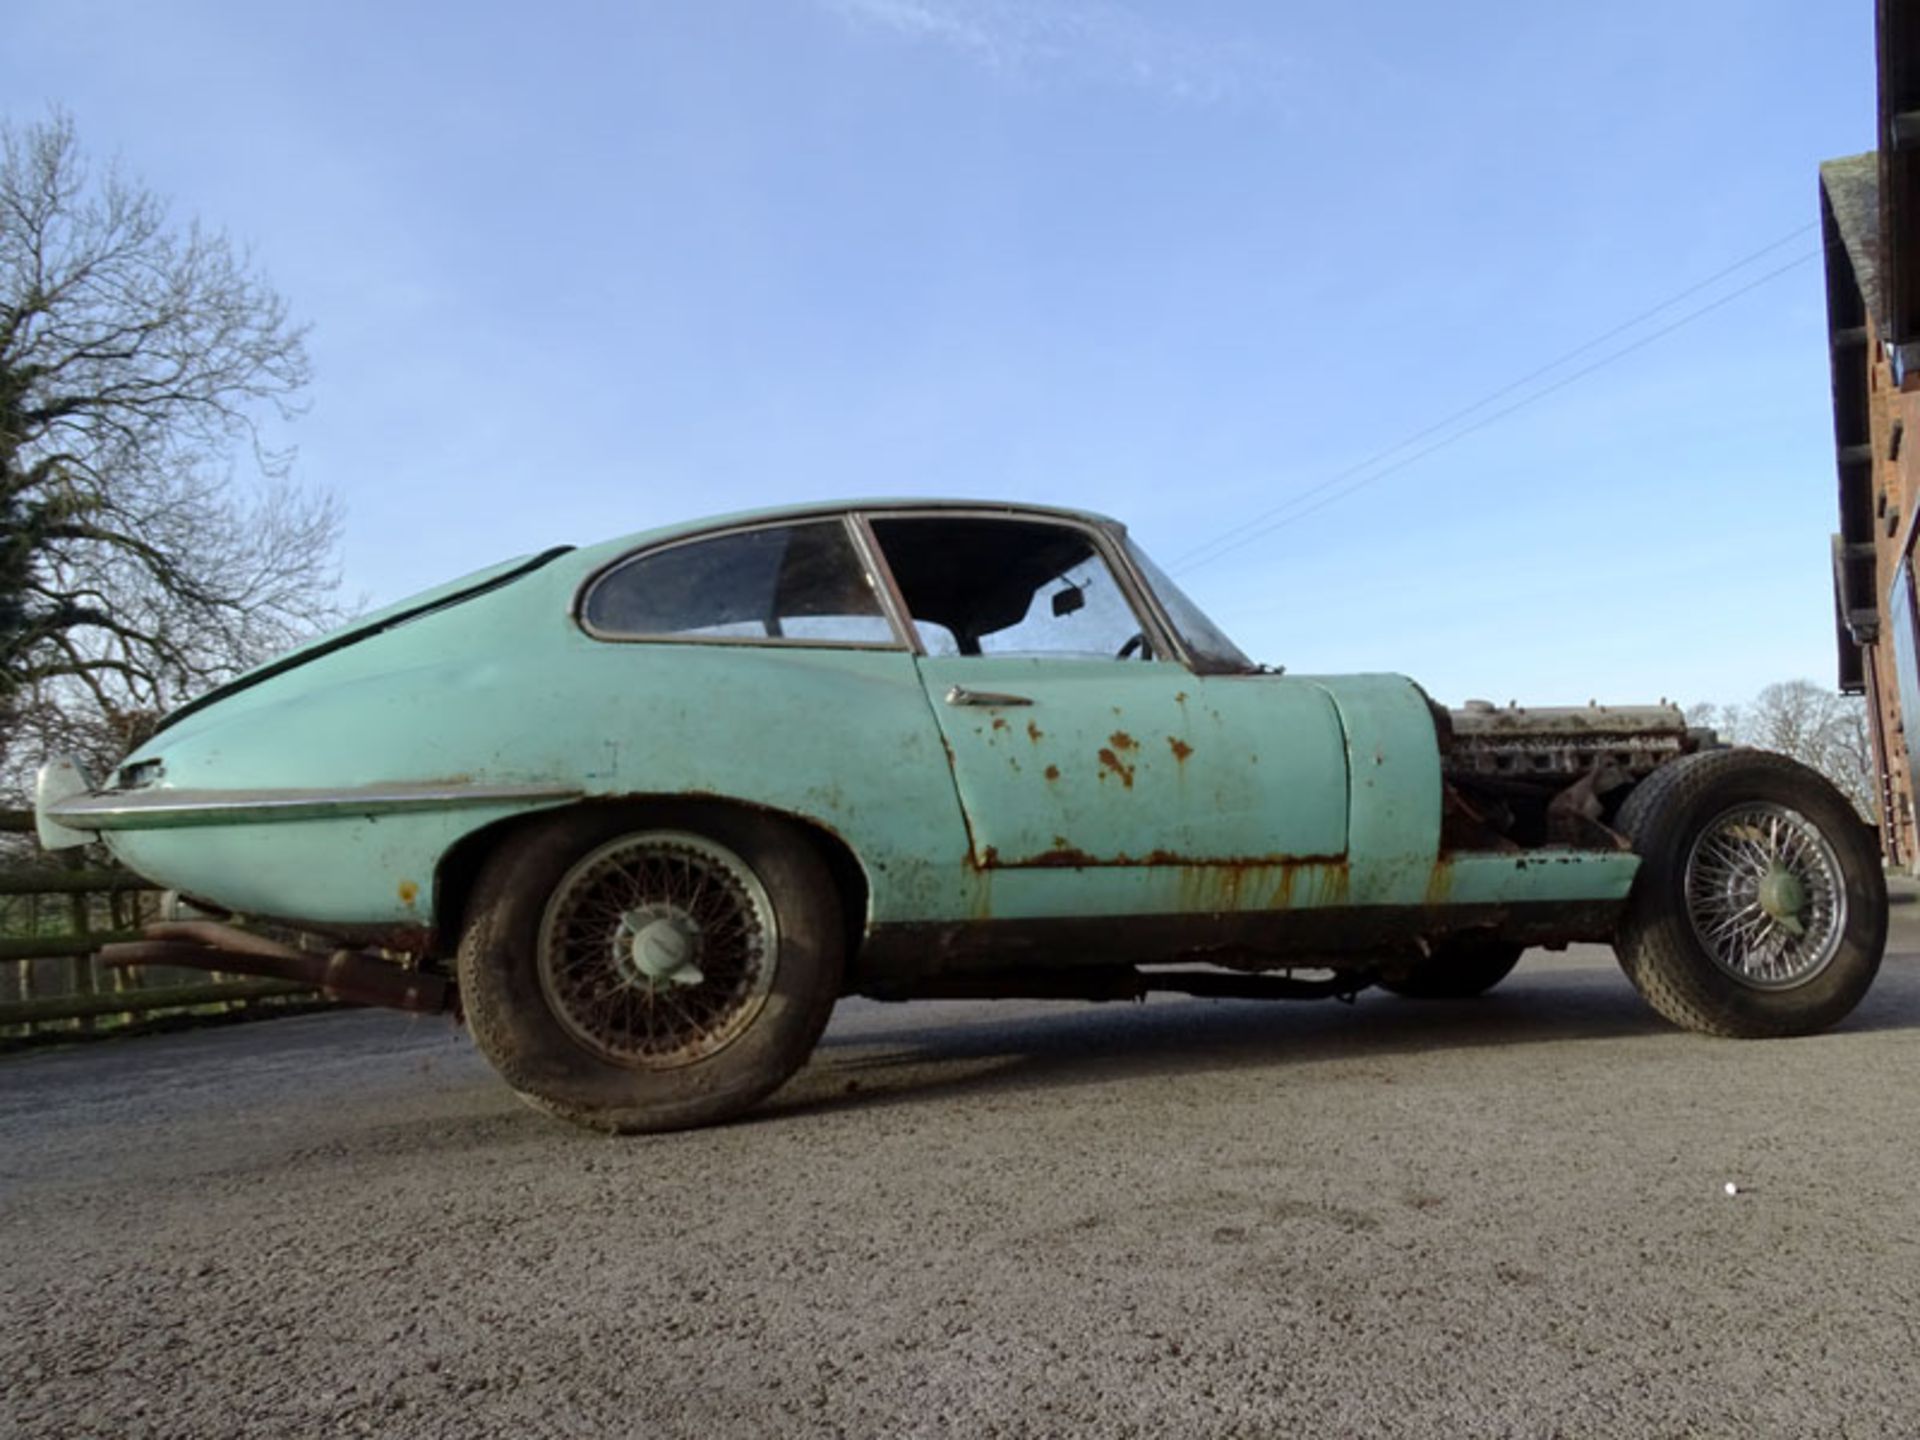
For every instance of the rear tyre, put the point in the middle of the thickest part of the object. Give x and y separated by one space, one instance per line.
1760 907
637 971
1458 970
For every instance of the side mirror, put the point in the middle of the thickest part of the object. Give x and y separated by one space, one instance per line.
1066 601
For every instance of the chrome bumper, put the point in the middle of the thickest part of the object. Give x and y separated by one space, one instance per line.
60 781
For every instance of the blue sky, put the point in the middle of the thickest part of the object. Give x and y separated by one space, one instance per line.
580 269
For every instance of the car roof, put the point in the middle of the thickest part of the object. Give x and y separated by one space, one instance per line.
820 508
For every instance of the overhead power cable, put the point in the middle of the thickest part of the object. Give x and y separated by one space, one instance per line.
1293 507
1541 394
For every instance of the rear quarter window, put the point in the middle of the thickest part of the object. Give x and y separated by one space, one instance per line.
794 584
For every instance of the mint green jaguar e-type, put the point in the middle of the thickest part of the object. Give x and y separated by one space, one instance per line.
643 811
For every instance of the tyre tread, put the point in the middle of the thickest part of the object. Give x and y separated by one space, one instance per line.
1656 947
511 1026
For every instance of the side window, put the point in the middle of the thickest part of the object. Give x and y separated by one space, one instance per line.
803 584
1009 587
936 639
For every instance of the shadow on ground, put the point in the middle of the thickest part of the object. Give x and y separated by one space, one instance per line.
888 1055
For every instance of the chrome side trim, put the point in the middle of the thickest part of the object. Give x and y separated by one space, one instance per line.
161 809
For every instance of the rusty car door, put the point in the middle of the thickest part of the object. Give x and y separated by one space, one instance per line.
1084 763
1076 738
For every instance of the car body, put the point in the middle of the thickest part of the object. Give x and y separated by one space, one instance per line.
1022 760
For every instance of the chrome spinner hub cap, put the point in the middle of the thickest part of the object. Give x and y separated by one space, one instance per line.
1766 895
657 945
657 950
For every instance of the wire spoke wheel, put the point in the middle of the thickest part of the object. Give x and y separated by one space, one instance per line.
638 967
657 950
1766 895
1760 905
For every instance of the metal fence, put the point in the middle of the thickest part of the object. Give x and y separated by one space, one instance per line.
55 914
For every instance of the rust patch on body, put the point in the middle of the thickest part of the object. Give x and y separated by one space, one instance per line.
1111 761
1120 740
1250 883
1062 857
999 722
1034 732
409 892
1053 772
1181 750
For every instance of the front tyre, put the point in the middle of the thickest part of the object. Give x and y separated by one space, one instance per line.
635 971
1760 907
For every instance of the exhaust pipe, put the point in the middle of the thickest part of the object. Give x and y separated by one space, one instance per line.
359 977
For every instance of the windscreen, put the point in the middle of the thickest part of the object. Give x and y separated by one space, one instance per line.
1205 639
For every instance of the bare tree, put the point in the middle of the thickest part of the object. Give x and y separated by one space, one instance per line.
137 357
1814 725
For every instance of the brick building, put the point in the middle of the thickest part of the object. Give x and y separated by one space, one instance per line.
1870 217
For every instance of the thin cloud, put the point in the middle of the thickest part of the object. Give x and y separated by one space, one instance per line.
1087 40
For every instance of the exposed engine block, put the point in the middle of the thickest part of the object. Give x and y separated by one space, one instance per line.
1563 743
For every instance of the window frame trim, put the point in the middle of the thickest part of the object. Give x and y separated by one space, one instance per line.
1161 634
879 582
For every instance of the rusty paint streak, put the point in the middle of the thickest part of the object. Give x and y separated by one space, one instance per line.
1111 761
1063 857
1440 882
1263 885
1210 870
1181 750
1068 858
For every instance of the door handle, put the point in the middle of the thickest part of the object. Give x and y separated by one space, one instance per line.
960 695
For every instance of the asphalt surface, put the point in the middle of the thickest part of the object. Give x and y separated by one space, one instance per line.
1506 1217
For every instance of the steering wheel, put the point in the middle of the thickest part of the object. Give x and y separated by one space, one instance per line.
1137 643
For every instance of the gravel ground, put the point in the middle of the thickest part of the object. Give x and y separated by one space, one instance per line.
1180 1218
